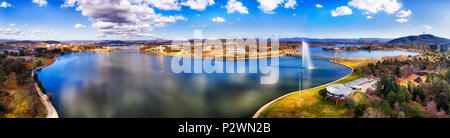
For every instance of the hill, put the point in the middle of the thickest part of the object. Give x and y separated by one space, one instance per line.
420 39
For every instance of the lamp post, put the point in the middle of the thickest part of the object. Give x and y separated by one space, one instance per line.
300 85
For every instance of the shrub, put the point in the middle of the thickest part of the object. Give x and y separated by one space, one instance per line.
374 113
391 97
361 108
323 92
386 108
413 110
350 103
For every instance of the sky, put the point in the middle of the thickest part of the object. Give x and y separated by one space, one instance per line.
177 19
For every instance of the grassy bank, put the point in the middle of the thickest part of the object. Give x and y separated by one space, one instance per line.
312 104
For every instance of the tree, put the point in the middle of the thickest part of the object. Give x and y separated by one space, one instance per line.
410 86
391 97
397 71
400 97
386 108
11 81
418 92
413 110
441 94
431 110
401 114
361 108
447 76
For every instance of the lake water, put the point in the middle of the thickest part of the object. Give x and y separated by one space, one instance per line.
125 83
359 53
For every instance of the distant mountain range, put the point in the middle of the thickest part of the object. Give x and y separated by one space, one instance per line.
334 39
420 39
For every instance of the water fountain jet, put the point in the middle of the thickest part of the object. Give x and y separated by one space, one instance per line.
306 56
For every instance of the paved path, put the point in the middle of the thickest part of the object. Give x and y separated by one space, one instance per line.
260 110
51 111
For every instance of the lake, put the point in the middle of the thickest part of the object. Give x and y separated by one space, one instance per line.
126 83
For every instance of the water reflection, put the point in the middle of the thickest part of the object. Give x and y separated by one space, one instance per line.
359 53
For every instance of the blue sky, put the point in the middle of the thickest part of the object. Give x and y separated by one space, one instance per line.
177 19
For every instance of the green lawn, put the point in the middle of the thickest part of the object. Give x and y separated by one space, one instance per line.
312 104
43 61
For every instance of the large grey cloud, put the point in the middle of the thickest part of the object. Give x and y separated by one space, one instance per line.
128 18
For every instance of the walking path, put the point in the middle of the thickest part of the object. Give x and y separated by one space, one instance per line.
256 115
51 111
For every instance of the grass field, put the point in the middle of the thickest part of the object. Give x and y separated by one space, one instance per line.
312 104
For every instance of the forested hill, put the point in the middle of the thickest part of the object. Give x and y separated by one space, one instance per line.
420 39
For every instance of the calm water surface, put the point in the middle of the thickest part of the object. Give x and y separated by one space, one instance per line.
359 53
125 83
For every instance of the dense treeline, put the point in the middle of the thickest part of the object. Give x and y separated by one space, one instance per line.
13 67
18 96
393 66
412 100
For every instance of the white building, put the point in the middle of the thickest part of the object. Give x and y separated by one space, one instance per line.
357 84
339 90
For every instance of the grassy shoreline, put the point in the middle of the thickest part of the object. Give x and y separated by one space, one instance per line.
312 104
42 92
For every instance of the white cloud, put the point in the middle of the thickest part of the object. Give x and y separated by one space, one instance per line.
374 6
21 32
403 14
267 6
401 20
100 35
40 2
198 4
124 18
426 27
290 4
340 11
43 34
218 20
369 17
38 33
80 26
165 4
5 5
319 6
235 6
54 33
12 29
